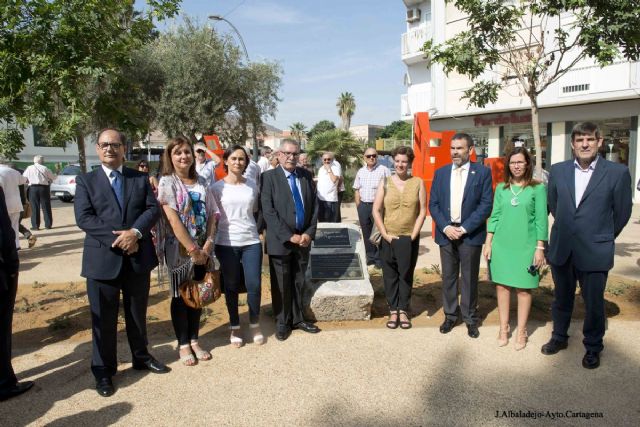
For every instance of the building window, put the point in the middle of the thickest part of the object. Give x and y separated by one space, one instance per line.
576 88
39 139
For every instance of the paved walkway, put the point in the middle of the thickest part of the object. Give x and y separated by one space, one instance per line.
372 377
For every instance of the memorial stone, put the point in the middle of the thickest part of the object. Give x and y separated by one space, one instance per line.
337 285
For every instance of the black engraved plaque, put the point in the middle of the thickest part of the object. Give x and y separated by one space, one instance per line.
332 238
336 267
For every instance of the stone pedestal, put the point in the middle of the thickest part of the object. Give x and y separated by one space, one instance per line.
346 297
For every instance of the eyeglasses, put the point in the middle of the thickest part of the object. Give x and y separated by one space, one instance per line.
517 163
371 156
114 145
289 153
200 151
326 160
143 166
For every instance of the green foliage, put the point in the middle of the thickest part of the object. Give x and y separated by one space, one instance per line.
207 88
321 126
11 142
397 130
342 143
346 108
58 57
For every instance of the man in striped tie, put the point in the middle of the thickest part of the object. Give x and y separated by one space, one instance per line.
290 210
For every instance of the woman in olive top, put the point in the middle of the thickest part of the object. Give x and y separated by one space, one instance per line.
399 210
516 233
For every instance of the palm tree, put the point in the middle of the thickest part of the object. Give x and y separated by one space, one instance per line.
298 132
346 107
342 143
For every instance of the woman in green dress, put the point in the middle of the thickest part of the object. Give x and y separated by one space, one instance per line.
514 248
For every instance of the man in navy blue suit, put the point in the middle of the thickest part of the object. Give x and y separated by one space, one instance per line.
590 200
460 203
116 208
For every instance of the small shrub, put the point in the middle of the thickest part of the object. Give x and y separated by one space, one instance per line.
59 323
37 285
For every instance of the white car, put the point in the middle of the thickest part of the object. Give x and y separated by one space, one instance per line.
64 186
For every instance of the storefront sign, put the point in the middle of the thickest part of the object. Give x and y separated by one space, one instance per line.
501 119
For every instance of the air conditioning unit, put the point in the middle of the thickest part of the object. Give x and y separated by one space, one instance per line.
413 14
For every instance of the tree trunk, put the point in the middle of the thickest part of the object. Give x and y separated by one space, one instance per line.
535 126
82 157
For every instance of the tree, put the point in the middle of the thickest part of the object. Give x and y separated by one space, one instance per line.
321 126
346 108
57 57
340 142
397 130
298 131
206 87
532 44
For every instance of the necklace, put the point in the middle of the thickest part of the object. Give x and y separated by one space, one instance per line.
514 199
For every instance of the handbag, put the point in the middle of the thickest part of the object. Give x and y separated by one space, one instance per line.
376 236
26 211
196 294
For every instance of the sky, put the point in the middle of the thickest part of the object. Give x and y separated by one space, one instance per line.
325 47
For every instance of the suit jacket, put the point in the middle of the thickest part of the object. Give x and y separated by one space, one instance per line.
278 209
9 262
477 201
589 231
98 215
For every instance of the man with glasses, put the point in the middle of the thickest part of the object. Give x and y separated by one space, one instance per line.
289 206
365 185
116 208
205 167
328 183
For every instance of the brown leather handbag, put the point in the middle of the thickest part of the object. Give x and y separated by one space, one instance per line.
197 294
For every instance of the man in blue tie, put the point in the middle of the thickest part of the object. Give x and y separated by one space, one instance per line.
290 210
116 208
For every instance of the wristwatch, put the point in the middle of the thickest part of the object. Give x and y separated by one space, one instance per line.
138 233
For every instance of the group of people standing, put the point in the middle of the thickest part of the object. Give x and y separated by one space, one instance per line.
199 220
588 196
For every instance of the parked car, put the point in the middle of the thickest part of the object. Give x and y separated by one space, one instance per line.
64 186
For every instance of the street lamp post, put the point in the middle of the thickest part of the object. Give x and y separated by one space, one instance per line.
246 54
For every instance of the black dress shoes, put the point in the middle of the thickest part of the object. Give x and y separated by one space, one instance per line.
104 387
472 331
553 346
591 360
283 334
307 327
152 365
447 326
16 390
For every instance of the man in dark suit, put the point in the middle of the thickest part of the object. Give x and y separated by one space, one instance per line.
290 211
460 203
9 264
116 207
590 200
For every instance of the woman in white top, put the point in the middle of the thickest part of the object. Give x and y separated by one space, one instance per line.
238 245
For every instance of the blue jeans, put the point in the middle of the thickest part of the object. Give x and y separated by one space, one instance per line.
234 261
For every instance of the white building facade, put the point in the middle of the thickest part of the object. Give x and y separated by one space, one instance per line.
608 96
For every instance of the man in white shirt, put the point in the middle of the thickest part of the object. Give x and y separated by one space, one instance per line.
40 179
205 167
365 185
263 161
10 181
328 184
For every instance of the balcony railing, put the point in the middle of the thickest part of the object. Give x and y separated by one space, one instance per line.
412 41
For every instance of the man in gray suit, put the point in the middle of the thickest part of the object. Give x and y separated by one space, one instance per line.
590 200
290 211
